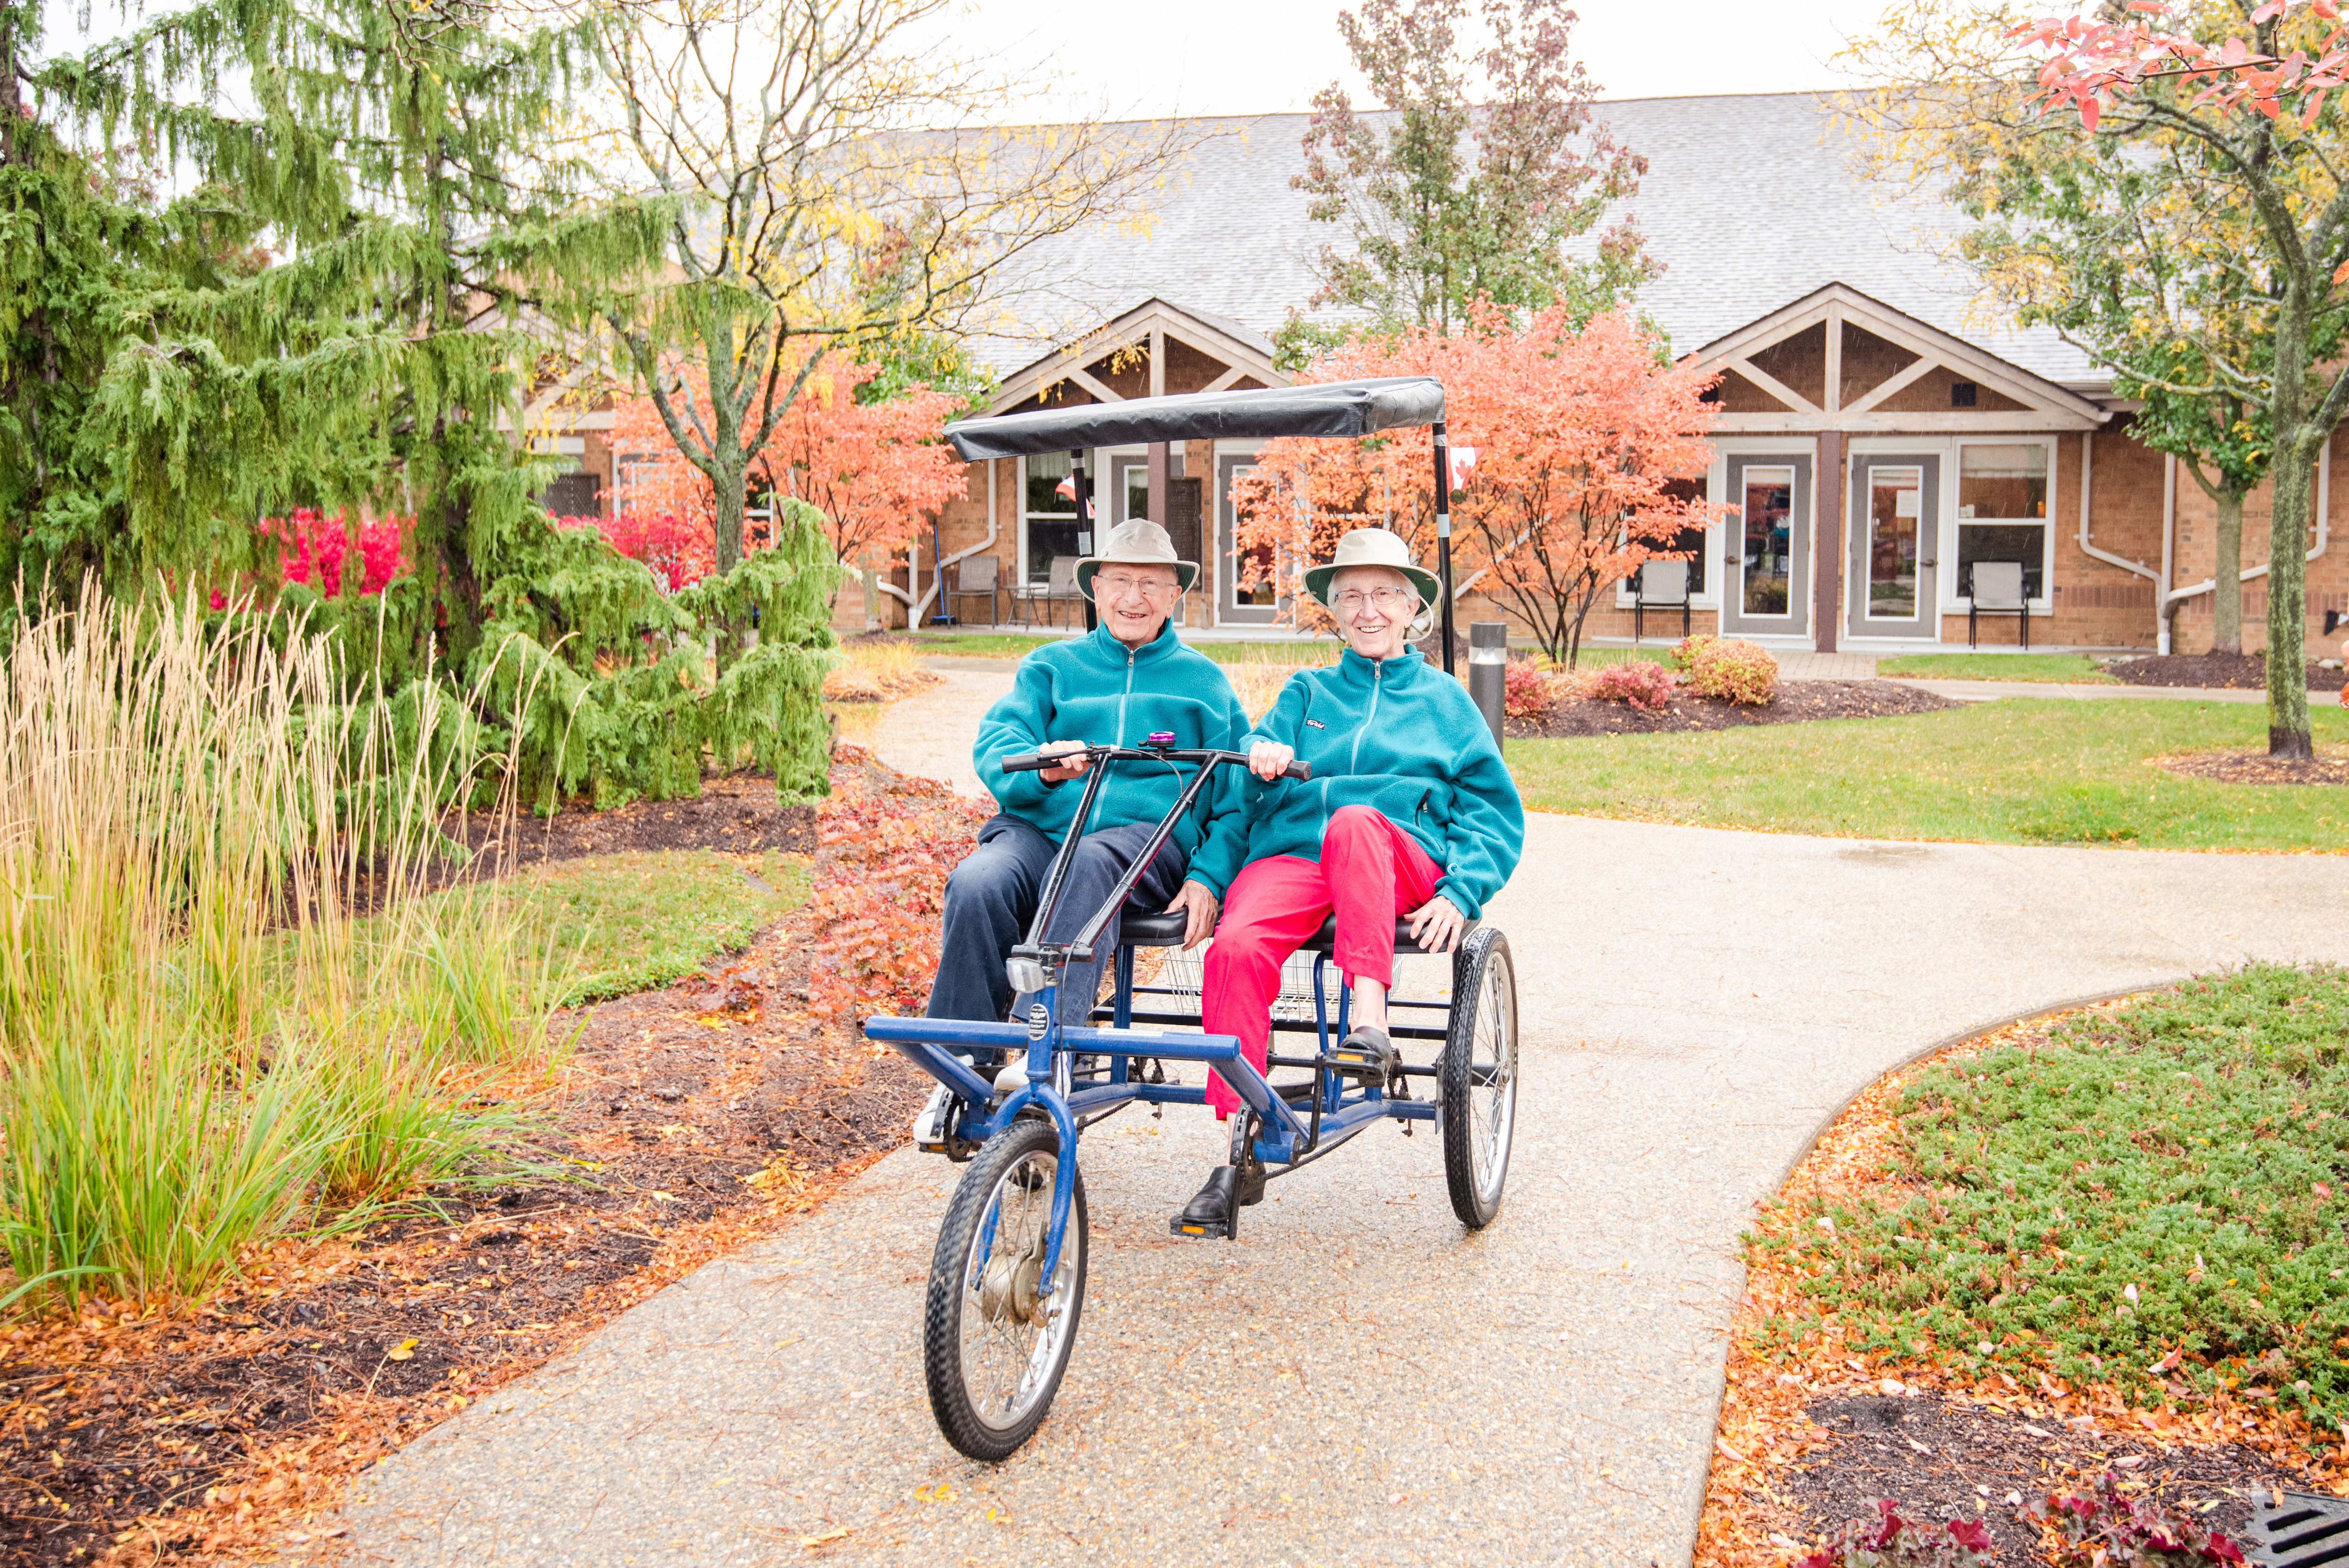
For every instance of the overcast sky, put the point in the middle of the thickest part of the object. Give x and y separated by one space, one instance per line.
1134 59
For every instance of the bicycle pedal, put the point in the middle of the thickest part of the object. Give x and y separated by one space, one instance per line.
1215 1233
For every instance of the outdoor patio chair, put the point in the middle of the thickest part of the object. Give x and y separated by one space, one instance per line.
1059 588
1997 590
974 578
1663 584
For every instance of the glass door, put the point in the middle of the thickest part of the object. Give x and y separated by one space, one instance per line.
1246 594
1896 512
1766 566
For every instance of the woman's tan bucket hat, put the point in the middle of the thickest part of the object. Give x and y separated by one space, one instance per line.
1139 542
1373 547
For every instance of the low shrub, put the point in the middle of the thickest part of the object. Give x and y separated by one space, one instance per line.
1892 1541
1526 691
2106 1530
1643 683
1732 670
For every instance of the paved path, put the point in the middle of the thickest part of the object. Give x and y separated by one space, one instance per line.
1356 1381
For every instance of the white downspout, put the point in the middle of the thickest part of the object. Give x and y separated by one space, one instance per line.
993 532
2169 555
2324 533
2087 453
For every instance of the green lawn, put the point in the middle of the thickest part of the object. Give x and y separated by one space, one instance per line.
2015 771
636 920
2071 669
2166 1178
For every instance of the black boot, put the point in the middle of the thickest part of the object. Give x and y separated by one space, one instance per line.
1210 1214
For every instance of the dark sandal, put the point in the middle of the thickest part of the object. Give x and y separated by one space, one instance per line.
1365 1054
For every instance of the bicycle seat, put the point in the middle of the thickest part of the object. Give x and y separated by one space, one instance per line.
1326 939
1135 929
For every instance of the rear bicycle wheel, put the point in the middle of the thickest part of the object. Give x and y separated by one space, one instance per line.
1479 1077
996 1335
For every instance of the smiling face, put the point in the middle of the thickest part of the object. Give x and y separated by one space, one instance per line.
1133 601
1374 606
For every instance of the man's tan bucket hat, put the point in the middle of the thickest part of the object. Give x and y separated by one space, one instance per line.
1373 547
1139 542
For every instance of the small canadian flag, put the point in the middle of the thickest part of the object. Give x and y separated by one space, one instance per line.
1464 463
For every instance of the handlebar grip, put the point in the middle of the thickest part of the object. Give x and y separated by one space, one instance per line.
1025 762
1299 771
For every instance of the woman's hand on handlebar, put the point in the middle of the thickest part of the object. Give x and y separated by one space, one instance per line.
1436 925
1075 767
1268 759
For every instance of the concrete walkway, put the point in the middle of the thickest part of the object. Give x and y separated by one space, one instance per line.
1356 1381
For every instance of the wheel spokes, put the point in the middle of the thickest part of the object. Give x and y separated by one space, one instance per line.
1007 1360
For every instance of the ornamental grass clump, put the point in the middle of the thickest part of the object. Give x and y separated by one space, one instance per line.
204 1048
1731 669
2152 1198
1643 683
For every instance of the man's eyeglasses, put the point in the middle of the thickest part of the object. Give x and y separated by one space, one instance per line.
1119 586
1353 599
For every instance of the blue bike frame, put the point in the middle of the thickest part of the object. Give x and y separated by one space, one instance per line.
1335 1111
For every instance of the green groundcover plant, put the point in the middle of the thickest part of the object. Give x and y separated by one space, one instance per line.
2153 1199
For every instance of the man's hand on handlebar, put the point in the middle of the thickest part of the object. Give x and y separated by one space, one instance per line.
1268 759
1202 906
1075 767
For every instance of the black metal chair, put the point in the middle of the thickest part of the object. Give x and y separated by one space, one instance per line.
975 577
1665 586
1997 589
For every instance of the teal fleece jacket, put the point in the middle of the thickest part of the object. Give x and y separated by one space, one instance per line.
1096 690
1403 739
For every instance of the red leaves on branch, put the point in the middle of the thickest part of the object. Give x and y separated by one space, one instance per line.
2089 64
885 843
315 545
678 553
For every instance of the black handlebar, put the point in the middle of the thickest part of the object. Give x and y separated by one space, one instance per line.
1034 761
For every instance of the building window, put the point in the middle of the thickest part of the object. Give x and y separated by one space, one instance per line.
2003 510
1049 517
1962 394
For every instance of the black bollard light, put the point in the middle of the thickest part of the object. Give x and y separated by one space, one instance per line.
1488 670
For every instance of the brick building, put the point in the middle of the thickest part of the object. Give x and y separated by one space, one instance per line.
1882 433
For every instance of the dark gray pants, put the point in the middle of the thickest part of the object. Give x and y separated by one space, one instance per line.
992 895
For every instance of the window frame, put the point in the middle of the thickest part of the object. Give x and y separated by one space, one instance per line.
1953 602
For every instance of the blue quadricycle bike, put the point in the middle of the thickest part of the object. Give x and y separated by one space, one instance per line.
1006 1282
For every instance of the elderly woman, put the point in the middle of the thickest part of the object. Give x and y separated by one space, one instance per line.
1409 813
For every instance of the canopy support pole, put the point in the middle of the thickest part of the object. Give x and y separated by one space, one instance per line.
1085 515
1443 534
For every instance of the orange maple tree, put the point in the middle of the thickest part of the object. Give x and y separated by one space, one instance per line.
874 468
1587 443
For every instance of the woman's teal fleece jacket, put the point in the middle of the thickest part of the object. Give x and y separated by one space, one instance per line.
1096 690
1397 736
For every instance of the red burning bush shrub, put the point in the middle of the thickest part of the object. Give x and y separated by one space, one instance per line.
1643 683
315 547
1526 692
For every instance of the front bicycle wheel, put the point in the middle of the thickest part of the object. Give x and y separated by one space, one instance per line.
996 1335
1479 1077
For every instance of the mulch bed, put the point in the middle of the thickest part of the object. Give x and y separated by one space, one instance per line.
688 1120
1945 1458
2259 767
1812 1434
1795 701
737 813
2244 672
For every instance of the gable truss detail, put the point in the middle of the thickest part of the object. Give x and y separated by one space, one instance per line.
2042 405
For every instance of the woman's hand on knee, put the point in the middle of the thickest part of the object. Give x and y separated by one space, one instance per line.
1268 759
1437 924
1202 908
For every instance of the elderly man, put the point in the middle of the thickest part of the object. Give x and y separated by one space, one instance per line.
1114 687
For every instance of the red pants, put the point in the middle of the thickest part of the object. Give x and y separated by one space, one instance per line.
1370 871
